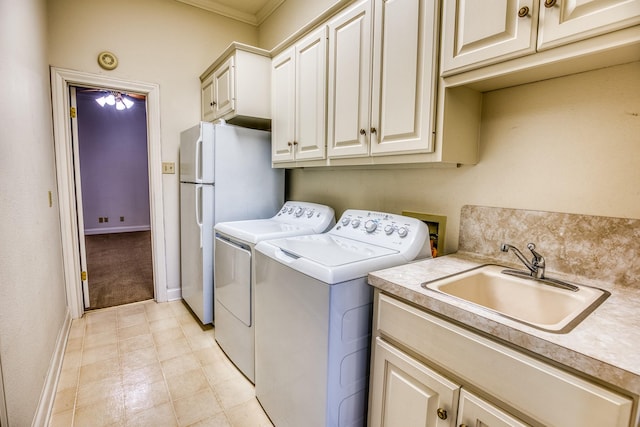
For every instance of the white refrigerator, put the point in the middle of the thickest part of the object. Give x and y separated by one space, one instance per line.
225 175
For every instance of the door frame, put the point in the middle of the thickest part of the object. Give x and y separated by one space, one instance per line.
61 79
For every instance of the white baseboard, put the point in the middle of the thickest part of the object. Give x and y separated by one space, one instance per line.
107 230
48 395
174 294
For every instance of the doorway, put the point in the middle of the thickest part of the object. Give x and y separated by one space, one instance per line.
112 196
61 82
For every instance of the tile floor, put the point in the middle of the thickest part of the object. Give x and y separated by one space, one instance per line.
149 364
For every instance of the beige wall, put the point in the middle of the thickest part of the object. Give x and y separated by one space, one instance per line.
569 144
32 296
156 41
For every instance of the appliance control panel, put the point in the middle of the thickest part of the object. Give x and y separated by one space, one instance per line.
307 214
383 229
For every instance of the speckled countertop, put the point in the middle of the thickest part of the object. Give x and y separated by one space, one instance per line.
604 346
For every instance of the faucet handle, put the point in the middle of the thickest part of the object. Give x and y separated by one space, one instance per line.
538 260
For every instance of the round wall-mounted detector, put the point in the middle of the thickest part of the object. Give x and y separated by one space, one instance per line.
107 60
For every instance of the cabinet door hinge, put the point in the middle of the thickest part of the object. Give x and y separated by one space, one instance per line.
72 111
83 276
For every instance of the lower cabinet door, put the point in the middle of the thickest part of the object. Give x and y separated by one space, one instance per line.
473 412
406 392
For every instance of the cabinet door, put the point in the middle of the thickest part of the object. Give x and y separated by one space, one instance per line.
224 88
564 21
483 32
473 411
283 106
208 110
349 82
404 76
404 392
310 101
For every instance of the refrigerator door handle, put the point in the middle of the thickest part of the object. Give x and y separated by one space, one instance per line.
198 160
198 189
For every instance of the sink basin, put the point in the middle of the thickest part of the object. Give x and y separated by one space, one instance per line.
526 300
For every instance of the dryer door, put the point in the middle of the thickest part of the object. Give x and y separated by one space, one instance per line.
233 278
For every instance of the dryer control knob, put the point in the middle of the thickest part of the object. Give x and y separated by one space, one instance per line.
299 212
370 226
389 229
346 221
403 231
355 223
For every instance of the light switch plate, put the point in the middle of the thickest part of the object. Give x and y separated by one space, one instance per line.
168 167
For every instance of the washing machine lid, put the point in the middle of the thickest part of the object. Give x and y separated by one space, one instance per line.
330 250
254 231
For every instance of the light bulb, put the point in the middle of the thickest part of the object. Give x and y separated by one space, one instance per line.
120 105
110 99
127 102
101 101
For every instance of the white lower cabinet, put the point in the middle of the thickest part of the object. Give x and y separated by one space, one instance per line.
426 371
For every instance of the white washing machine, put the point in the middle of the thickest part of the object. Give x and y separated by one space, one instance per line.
313 316
234 273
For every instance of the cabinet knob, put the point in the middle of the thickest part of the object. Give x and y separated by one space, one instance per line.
442 413
549 3
363 132
212 103
523 11
373 130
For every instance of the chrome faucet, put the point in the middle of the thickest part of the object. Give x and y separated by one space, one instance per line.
535 266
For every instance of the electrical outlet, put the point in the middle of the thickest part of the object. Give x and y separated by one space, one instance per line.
121 219
100 220
168 167
106 219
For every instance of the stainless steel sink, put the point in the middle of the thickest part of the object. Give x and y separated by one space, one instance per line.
526 300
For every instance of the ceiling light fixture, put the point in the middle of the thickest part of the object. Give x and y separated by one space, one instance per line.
115 98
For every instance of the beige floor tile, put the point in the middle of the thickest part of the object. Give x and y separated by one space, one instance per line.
74 344
68 378
189 326
158 311
138 358
179 365
99 371
163 324
172 349
167 335
64 400
101 316
149 373
144 395
248 414
100 327
187 384
179 308
234 391
108 390
77 328
158 416
127 319
219 420
100 352
105 413
94 340
61 419
197 407
133 331
220 371
198 342
72 360
136 343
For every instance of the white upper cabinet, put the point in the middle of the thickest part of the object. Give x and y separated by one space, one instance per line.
382 78
477 33
299 100
350 82
236 87
564 21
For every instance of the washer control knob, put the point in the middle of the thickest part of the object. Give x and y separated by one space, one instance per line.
309 213
284 209
291 209
370 226
388 229
355 223
403 231
299 212
346 221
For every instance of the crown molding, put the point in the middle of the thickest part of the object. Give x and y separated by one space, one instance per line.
229 12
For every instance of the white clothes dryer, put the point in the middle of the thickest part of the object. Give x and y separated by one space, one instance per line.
313 316
234 273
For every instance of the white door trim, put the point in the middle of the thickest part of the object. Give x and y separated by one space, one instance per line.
61 79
